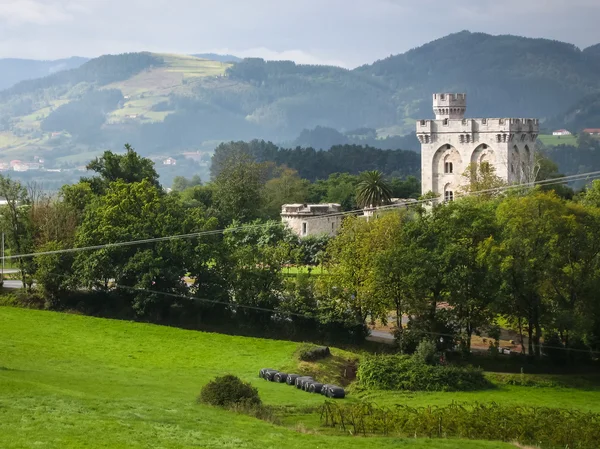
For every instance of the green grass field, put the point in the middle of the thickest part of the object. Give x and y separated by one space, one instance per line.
550 140
70 381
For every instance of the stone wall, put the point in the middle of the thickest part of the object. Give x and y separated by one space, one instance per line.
312 219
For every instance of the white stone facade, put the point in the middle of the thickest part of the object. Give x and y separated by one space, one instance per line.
451 142
312 219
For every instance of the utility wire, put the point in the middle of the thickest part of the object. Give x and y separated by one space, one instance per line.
561 180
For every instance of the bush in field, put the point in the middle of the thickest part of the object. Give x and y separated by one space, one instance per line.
400 372
228 391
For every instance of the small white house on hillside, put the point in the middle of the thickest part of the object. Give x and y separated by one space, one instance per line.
561 132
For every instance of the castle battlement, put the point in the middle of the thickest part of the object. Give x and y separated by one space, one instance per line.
451 142
451 106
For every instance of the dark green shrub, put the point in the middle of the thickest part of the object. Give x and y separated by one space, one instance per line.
227 391
311 353
400 372
426 353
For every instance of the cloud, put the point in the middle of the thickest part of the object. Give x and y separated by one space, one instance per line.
18 12
339 32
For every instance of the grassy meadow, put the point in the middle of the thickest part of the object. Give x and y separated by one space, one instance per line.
550 140
70 381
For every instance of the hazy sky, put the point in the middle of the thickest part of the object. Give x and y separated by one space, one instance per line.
341 32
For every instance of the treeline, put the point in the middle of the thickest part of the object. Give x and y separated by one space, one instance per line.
313 164
531 258
322 138
234 280
454 268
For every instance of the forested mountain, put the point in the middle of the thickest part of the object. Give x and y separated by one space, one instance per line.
583 114
502 75
13 70
168 104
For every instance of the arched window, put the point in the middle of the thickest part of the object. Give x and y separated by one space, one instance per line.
449 195
468 138
462 138
448 167
499 137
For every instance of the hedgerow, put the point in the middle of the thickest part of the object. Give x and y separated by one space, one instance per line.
547 428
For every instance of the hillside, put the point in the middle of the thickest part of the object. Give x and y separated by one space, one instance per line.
71 381
583 114
13 70
502 75
168 104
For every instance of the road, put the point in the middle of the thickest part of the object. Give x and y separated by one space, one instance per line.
13 284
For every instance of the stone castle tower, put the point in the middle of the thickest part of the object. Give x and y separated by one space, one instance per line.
451 142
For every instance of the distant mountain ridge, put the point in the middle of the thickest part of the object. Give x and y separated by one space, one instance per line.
14 70
168 104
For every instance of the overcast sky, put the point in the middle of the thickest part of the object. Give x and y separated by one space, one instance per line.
341 32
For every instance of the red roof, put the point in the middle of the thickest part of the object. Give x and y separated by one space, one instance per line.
591 130
561 131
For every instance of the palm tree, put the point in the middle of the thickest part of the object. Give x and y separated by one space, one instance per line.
372 190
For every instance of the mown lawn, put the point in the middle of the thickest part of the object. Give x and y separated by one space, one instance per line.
550 140
68 381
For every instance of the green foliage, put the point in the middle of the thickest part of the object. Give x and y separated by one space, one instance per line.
53 273
426 353
372 190
400 372
238 189
228 390
180 183
129 168
547 428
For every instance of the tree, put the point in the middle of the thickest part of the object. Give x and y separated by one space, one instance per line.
129 168
288 187
482 178
351 260
143 272
16 221
255 255
591 196
521 252
238 189
180 183
572 270
470 283
372 190
393 265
